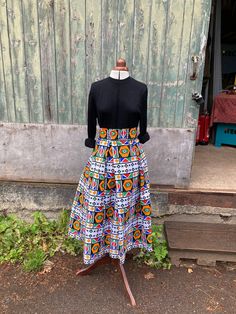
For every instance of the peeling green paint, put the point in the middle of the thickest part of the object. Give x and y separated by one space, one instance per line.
51 51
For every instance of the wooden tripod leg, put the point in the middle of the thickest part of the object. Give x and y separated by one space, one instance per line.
104 260
126 283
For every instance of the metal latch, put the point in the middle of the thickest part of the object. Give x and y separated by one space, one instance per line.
195 60
198 98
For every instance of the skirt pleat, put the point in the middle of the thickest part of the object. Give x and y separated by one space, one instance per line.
111 210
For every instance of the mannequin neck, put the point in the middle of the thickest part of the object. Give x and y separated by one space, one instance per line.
119 75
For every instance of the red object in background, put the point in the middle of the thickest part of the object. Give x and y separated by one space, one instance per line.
198 131
224 109
202 136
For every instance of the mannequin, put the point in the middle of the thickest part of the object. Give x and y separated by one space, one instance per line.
111 211
120 71
133 96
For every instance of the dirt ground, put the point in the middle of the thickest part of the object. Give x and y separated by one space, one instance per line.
178 290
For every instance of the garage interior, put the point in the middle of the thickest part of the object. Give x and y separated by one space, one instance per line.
214 167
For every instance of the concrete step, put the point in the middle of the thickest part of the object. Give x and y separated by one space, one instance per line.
206 238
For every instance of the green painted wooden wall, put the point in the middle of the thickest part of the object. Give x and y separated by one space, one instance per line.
51 51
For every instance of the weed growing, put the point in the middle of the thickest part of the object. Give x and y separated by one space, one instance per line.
158 258
32 244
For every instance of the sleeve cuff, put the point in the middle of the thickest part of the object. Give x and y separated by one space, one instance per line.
90 142
144 137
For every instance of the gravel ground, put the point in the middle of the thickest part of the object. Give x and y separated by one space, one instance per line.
187 289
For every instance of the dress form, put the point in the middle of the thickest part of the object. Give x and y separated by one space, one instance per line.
120 71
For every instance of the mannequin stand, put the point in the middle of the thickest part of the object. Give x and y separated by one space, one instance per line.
107 260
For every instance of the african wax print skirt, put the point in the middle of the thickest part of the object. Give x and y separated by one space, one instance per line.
111 211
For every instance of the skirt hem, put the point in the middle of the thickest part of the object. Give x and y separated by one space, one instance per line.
107 250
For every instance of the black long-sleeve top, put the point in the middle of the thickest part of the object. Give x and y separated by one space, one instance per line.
115 104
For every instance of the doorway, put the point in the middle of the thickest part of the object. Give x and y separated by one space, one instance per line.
214 167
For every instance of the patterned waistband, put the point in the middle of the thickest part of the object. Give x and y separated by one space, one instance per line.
115 134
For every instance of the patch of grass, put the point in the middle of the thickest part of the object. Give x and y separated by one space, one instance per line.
34 260
32 243
159 257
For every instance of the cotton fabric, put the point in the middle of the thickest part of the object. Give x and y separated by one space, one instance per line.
114 103
111 211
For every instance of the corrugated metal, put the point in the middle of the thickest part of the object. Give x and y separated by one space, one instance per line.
51 51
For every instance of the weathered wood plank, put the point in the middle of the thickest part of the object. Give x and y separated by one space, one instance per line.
213 199
198 42
7 88
206 14
3 100
210 234
48 62
156 58
63 65
207 238
174 30
32 60
125 32
109 35
142 14
78 59
58 48
93 41
18 66
183 74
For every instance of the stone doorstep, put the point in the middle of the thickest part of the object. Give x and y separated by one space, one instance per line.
24 197
206 238
169 201
213 198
